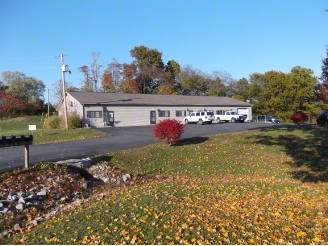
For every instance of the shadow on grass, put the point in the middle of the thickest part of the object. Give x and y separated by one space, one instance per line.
306 150
189 141
101 158
54 133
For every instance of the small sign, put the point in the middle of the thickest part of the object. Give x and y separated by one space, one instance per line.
32 127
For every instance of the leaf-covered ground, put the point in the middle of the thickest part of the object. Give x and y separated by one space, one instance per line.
236 188
66 186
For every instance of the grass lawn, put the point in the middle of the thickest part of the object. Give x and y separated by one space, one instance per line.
256 187
20 126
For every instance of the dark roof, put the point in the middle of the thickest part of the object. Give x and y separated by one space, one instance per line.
153 99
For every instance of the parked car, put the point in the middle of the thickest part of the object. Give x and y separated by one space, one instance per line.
229 116
200 117
322 119
268 118
275 119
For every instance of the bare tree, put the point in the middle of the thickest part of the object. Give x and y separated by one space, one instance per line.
91 74
95 67
115 70
58 88
87 84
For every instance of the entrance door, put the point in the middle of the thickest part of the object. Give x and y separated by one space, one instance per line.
110 115
152 117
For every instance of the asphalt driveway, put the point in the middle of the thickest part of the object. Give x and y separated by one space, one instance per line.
119 138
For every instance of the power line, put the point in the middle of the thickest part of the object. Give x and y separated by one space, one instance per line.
39 68
32 57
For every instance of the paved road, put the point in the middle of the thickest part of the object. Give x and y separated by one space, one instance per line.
119 138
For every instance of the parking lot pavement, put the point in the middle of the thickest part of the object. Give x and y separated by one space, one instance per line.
191 130
119 138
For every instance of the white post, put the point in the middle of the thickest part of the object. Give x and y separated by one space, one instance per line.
64 93
27 156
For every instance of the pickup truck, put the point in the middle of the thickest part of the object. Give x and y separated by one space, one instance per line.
229 116
200 117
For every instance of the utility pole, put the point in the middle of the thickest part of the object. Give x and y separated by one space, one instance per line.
48 105
63 68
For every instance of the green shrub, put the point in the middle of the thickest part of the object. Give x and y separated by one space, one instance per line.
74 121
54 122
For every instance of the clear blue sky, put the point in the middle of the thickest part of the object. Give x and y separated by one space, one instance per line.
239 37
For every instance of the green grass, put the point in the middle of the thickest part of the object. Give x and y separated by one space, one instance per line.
255 187
20 126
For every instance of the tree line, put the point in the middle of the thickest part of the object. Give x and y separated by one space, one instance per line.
20 95
273 92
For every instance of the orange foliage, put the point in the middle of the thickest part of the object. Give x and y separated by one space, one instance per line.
107 82
129 86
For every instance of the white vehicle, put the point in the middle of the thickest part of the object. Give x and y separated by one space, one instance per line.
200 117
229 116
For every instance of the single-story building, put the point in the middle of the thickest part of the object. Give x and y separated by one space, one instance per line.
101 109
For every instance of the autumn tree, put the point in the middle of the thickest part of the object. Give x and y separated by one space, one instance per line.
281 94
3 87
149 68
173 67
12 104
166 89
193 81
170 83
129 84
107 82
322 87
29 89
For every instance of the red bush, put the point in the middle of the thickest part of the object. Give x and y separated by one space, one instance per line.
168 130
299 117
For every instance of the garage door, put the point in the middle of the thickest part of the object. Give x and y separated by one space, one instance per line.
243 111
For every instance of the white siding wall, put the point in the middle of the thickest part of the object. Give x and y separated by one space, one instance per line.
137 116
140 115
73 106
97 122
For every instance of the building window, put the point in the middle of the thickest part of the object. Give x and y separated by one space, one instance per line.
94 114
220 112
180 113
164 113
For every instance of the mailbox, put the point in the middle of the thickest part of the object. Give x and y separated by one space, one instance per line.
7 141
26 140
